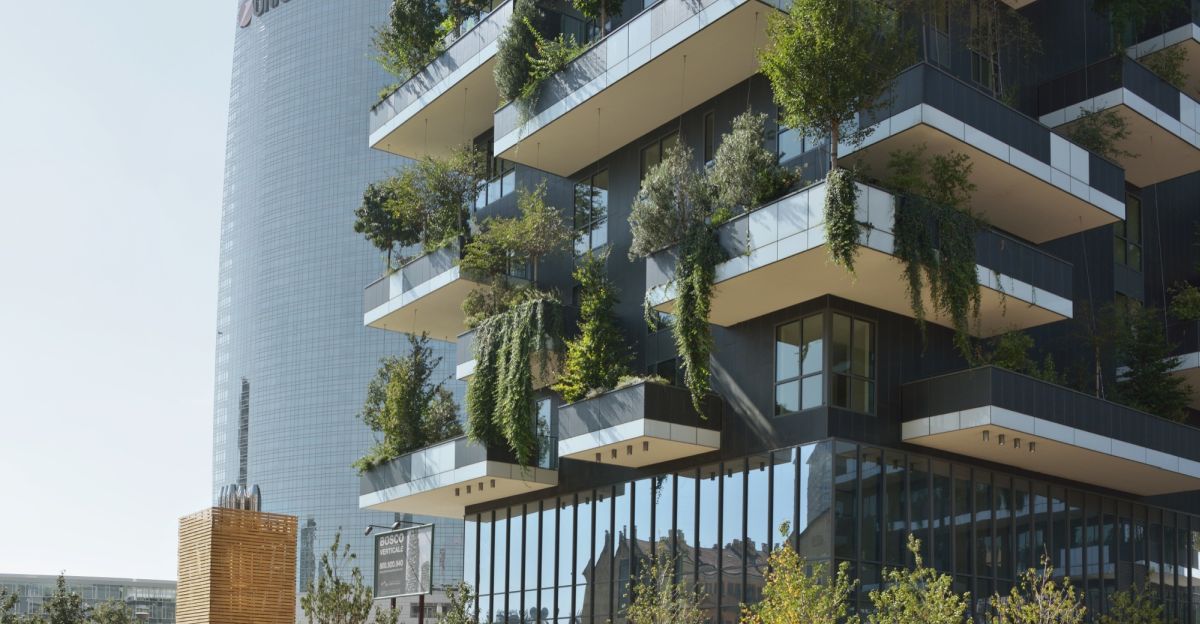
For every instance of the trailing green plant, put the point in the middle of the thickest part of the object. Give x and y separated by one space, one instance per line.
1169 64
598 358
830 59
935 237
406 406
1148 383
336 598
1010 351
744 174
1101 131
515 49
695 274
500 405
551 56
1136 605
1039 599
842 228
1185 302
918 595
425 203
658 595
799 591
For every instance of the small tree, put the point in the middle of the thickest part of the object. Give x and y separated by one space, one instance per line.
918 596
406 406
8 606
673 197
657 596
1135 605
796 591
516 49
412 37
1038 599
828 60
1169 64
1010 350
745 174
540 231
64 606
335 599
1148 383
458 605
598 358
1101 131
113 612
380 217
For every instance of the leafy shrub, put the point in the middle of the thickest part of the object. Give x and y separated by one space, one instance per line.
1038 599
842 228
598 358
919 595
1101 132
1185 302
516 48
673 195
745 174
412 37
799 591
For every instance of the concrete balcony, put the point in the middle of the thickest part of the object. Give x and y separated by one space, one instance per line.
638 426
424 295
669 58
994 415
1031 182
1180 30
1162 121
543 375
770 247
443 479
450 102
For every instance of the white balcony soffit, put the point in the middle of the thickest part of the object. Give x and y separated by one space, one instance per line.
642 442
1061 451
788 248
1187 38
434 306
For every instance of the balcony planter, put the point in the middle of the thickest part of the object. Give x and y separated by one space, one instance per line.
443 479
1004 417
543 376
639 425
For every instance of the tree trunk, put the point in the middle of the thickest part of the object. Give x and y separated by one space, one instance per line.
603 18
834 137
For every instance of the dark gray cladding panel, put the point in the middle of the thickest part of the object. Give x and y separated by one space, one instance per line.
642 401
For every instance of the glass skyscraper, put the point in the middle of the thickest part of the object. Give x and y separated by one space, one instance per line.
293 356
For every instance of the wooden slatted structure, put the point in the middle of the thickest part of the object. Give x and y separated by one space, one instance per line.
236 567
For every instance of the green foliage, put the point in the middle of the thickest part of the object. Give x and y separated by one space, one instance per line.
656 595
406 406
744 174
1128 17
1148 384
457 609
113 612
1169 64
842 228
1135 605
412 37
540 231
919 595
500 405
336 599
830 59
63 606
695 273
550 57
425 203
599 10
8 607
796 591
515 48
935 237
598 358
1010 350
1038 599
1101 131
1185 302
672 197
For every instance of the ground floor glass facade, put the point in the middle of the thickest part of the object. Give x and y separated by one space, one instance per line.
569 558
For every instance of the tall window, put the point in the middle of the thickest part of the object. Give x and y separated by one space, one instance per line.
591 212
790 143
710 137
802 380
1127 234
500 179
653 154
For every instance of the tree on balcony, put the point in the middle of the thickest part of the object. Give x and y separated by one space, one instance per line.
599 10
516 49
598 358
427 203
406 406
416 32
1102 132
744 173
1148 383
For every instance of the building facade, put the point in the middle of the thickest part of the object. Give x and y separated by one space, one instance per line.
152 599
832 411
292 358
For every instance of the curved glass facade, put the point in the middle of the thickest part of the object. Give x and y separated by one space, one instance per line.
293 357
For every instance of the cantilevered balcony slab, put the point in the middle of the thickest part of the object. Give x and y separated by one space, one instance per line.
1051 430
1179 30
673 56
778 258
1030 181
443 479
638 426
1162 121
424 295
449 102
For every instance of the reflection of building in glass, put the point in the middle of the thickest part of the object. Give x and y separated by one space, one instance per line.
154 598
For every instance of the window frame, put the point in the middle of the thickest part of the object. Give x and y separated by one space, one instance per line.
1121 235
656 143
587 232
826 370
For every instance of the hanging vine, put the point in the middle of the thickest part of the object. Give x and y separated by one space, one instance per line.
500 404
695 274
842 229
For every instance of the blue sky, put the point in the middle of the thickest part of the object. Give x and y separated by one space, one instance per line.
112 138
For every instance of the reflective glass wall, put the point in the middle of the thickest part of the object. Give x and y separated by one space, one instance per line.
570 558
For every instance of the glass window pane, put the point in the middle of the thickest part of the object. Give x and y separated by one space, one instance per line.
733 538
500 544
815 495
758 526
783 494
962 520
600 587
942 516
811 393
870 526
532 546
583 539
840 392
813 354
566 543
664 512
787 397
669 141
686 523
485 553
620 553
708 539
1135 257
650 158
549 551
845 479
862 396
895 508
862 357
470 551
791 144
1133 219
787 351
839 361
516 550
